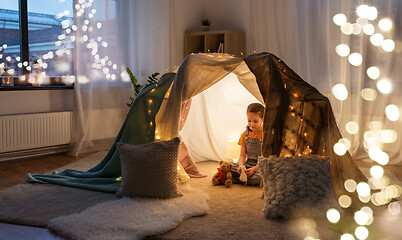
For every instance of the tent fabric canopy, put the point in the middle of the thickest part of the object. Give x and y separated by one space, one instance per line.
297 118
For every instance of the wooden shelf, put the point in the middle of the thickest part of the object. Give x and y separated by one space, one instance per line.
209 41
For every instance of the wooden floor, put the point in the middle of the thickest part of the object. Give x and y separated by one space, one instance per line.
14 171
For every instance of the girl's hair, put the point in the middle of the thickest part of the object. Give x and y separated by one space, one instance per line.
256 108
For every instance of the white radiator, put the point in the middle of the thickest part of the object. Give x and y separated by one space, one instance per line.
33 131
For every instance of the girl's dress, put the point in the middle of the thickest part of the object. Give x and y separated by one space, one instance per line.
252 141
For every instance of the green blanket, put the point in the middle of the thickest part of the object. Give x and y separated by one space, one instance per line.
136 129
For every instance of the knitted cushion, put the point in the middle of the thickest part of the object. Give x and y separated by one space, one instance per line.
297 186
149 170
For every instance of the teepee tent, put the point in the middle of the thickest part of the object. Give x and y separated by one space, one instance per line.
298 119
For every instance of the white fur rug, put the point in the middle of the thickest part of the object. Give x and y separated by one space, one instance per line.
131 218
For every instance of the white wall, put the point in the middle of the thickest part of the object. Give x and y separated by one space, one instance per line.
35 101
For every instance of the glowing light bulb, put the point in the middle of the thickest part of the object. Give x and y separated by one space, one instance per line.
373 72
99 25
333 215
339 19
355 59
392 112
342 50
385 24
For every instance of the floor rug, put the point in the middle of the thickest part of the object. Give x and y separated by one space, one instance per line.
131 218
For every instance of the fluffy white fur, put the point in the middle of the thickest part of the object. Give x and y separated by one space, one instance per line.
131 218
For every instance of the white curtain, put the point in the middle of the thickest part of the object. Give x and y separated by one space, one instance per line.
140 35
303 34
100 93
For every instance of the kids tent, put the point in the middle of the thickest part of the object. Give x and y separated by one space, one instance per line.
298 118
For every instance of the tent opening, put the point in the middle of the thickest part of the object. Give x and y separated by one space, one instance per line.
216 118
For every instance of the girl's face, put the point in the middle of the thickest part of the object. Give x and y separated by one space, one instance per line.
254 122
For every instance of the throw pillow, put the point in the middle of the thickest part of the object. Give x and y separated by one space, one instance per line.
297 186
149 170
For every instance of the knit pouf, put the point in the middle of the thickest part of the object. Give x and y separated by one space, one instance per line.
297 186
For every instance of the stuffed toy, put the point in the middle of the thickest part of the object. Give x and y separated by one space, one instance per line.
223 176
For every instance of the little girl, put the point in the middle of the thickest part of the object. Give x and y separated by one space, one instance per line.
250 142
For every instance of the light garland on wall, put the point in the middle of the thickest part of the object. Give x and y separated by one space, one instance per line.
375 137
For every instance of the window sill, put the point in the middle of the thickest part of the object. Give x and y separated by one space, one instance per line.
19 88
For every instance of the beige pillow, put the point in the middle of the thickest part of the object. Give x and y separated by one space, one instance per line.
149 170
297 186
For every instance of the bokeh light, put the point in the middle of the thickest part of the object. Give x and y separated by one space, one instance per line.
350 185
347 236
392 112
394 208
346 142
369 29
361 232
356 29
388 45
361 218
387 136
345 201
372 13
342 50
340 92
352 127
363 189
385 86
369 94
376 171
385 24
340 148
362 11
373 72
346 28
355 59
339 19
362 21
377 39
333 215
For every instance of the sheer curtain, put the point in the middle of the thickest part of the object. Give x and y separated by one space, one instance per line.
303 34
137 34
101 93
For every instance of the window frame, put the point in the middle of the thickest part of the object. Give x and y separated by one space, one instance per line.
24 51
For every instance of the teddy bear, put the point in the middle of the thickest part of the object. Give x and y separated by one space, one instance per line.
223 176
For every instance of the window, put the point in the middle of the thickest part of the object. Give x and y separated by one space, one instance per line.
36 43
